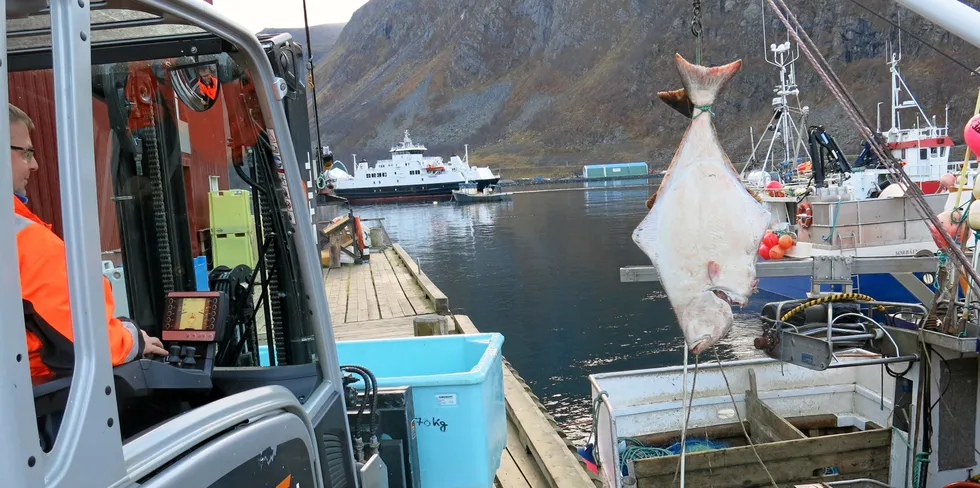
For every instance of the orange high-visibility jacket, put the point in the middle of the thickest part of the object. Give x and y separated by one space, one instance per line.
47 315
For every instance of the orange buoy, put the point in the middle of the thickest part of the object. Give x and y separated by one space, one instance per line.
776 252
786 241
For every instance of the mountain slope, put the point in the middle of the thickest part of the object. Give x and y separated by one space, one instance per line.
322 37
529 83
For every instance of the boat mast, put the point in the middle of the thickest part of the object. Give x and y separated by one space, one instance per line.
782 124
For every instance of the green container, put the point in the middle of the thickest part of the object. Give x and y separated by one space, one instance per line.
230 212
232 250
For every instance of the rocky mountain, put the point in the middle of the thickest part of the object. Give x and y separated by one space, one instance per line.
544 86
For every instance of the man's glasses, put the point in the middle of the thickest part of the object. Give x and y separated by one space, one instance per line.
28 153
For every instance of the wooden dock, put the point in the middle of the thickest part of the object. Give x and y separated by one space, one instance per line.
382 299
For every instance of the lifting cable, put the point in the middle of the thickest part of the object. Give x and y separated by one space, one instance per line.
853 111
316 109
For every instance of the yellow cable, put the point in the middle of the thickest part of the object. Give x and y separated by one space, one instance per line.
837 297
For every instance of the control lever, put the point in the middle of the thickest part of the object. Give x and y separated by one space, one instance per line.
188 357
174 357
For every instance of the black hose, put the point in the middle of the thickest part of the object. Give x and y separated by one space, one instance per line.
356 431
248 179
364 372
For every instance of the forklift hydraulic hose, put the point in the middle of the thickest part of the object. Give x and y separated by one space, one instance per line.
248 179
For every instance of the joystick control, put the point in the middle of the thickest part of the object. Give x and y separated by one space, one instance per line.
174 357
188 357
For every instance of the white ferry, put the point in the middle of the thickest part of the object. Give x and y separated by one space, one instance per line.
408 174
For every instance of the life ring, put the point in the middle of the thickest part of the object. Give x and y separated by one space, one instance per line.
804 215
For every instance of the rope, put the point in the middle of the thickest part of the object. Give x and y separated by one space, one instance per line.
836 297
851 108
705 109
921 459
595 425
687 414
742 424
833 225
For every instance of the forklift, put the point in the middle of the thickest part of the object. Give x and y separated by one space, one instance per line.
145 98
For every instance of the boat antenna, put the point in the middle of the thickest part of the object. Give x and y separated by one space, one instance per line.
316 110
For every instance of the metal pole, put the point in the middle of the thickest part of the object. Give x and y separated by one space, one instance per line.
951 15
89 435
21 447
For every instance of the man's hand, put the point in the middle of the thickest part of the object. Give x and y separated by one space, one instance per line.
152 345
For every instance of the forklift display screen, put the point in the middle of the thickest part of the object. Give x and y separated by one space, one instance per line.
194 316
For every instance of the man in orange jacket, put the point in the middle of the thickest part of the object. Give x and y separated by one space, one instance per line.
44 280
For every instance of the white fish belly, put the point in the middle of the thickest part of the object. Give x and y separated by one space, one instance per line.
702 214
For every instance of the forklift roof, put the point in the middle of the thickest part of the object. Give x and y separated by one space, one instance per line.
29 28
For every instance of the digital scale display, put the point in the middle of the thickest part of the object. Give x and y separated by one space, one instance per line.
193 316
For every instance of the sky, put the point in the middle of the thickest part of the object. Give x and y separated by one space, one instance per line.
260 14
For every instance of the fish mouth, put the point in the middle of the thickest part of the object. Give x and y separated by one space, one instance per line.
701 345
729 296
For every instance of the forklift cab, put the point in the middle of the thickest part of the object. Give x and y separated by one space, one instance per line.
167 165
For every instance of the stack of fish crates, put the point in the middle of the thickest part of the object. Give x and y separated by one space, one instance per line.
233 239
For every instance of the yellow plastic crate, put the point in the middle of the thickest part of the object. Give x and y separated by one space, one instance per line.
230 212
233 250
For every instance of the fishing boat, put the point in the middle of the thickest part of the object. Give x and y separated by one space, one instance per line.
470 192
839 208
409 174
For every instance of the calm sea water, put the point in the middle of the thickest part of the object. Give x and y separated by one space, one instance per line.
543 270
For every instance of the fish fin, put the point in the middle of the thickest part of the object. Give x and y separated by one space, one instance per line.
703 84
679 101
653 198
714 269
755 195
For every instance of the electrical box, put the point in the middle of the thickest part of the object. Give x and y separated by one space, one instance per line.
396 433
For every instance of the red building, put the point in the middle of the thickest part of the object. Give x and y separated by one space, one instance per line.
208 154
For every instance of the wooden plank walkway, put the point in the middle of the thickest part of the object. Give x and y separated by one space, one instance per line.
381 290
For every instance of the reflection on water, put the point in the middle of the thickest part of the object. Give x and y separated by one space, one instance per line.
543 270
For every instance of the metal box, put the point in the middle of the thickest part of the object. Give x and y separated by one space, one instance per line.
396 433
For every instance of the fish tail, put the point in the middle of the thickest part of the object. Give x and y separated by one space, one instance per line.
702 85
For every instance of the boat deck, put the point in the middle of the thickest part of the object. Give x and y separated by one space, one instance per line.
382 299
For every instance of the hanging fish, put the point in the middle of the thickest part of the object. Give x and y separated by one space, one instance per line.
704 227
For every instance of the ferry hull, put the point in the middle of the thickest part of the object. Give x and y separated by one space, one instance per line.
407 192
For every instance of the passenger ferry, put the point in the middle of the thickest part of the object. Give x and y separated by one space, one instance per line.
408 174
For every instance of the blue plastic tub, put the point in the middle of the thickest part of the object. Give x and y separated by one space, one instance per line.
458 391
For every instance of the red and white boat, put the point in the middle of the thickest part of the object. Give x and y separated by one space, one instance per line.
915 139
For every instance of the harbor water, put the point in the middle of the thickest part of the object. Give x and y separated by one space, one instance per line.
543 270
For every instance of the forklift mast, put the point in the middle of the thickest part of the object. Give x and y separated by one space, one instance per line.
209 421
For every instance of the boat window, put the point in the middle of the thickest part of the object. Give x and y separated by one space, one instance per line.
934 152
923 154
165 130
